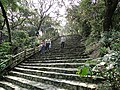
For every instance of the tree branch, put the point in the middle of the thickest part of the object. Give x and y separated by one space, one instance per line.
18 23
3 25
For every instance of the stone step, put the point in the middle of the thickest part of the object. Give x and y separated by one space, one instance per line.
90 79
30 85
58 58
11 86
53 69
65 65
59 55
62 55
77 47
66 49
62 51
2 88
68 46
67 84
58 61
69 42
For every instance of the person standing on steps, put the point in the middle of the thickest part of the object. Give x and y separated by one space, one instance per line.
62 41
48 44
42 45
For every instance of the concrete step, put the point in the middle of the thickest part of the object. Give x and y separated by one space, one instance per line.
2 88
61 57
67 49
30 84
11 86
52 69
74 47
58 61
61 53
68 41
67 84
57 75
65 65
68 45
71 49
58 58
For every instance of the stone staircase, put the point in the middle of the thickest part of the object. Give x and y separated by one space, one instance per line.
56 70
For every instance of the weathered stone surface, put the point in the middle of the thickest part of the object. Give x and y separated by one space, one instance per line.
2 88
31 85
56 70
10 86
54 80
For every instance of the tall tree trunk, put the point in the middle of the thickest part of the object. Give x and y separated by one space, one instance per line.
39 26
0 37
41 22
7 23
110 6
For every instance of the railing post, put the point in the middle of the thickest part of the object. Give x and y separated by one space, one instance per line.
10 61
25 54
34 51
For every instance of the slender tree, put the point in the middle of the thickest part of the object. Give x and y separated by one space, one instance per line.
42 11
7 23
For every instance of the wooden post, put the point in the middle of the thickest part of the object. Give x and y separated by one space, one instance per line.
10 62
25 54
34 51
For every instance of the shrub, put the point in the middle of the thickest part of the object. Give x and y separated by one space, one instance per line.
107 67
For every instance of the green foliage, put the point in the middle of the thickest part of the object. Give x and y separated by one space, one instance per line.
103 51
111 69
1 20
4 51
115 40
90 61
20 36
10 3
4 47
31 31
111 40
86 29
116 46
20 39
31 42
83 71
107 67
87 18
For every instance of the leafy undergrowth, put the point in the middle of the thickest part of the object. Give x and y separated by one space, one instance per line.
107 67
4 53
